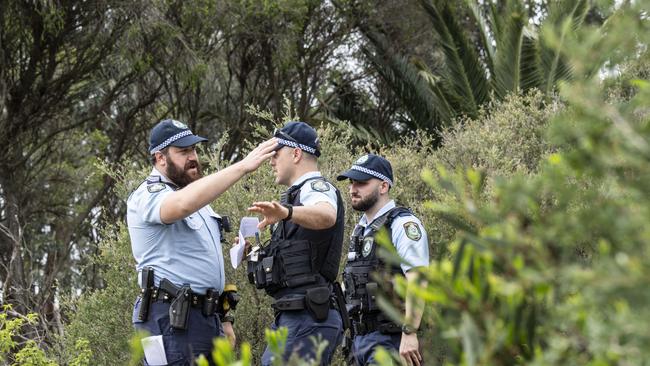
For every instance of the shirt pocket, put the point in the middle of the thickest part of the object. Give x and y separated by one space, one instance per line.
194 221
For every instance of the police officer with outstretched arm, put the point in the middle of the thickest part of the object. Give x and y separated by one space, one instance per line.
176 242
299 266
371 178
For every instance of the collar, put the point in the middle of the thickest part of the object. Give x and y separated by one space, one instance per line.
387 207
163 178
306 176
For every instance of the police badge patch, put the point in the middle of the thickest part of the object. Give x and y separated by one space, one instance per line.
412 230
156 187
319 186
367 246
179 124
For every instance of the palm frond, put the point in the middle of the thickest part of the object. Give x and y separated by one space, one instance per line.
429 109
530 66
463 68
554 67
509 40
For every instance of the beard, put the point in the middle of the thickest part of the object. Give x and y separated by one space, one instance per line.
365 204
181 176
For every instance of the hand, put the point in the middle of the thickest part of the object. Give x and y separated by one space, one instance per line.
409 350
247 246
260 154
272 211
229 332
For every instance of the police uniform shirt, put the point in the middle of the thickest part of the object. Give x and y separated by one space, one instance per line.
187 251
316 190
408 236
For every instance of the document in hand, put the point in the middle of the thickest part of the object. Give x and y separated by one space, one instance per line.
247 229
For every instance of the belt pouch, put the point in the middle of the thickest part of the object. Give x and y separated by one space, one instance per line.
317 303
371 296
267 268
251 266
179 310
210 302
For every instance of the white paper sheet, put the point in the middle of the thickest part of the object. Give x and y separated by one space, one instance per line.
154 350
247 228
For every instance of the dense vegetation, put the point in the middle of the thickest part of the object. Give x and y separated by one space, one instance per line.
535 194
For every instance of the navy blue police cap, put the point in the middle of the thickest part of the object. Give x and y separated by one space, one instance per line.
298 134
170 132
367 167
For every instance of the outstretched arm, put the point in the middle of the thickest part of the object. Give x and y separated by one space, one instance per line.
184 202
315 217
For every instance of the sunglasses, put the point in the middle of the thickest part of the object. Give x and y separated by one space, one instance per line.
278 133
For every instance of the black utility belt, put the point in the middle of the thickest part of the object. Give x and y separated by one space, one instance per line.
185 297
317 301
294 304
374 322
196 300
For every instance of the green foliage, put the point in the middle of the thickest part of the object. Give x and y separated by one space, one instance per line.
30 353
483 52
549 262
103 317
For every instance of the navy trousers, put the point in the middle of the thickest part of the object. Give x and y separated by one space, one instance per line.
182 347
301 327
364 346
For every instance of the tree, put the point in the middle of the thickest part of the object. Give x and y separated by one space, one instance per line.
484 51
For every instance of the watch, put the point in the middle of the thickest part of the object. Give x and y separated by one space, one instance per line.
290 208
407 329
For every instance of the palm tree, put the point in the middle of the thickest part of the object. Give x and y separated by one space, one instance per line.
489 49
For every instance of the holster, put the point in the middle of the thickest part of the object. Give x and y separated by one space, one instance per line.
317 303
179 310
340 301
210 303
228 300
145 293
371 298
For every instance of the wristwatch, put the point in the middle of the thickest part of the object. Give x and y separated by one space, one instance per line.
407 329
290 208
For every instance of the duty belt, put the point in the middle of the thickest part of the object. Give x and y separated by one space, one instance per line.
369 323
297 303
167 292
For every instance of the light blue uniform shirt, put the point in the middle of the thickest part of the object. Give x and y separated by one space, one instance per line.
310 196
415 253
187 251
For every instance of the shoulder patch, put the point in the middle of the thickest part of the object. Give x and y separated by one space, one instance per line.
320 186
412 230
156 187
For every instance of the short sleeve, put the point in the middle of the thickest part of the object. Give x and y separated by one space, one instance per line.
146 201
318 190
411 242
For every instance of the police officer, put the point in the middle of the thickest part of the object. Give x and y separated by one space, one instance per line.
301 262
371 178
176 242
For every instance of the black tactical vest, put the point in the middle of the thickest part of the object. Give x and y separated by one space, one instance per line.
298 258
361 288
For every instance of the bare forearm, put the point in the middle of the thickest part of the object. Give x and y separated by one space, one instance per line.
317 217
199 193
414 306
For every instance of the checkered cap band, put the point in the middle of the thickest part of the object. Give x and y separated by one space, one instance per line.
308 149
374 173
166 143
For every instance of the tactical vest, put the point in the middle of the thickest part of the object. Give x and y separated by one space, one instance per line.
360 287
298 258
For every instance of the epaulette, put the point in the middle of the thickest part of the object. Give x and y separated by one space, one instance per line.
156 184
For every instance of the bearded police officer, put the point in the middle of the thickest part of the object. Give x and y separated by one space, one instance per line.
176 242
371 178
301 262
